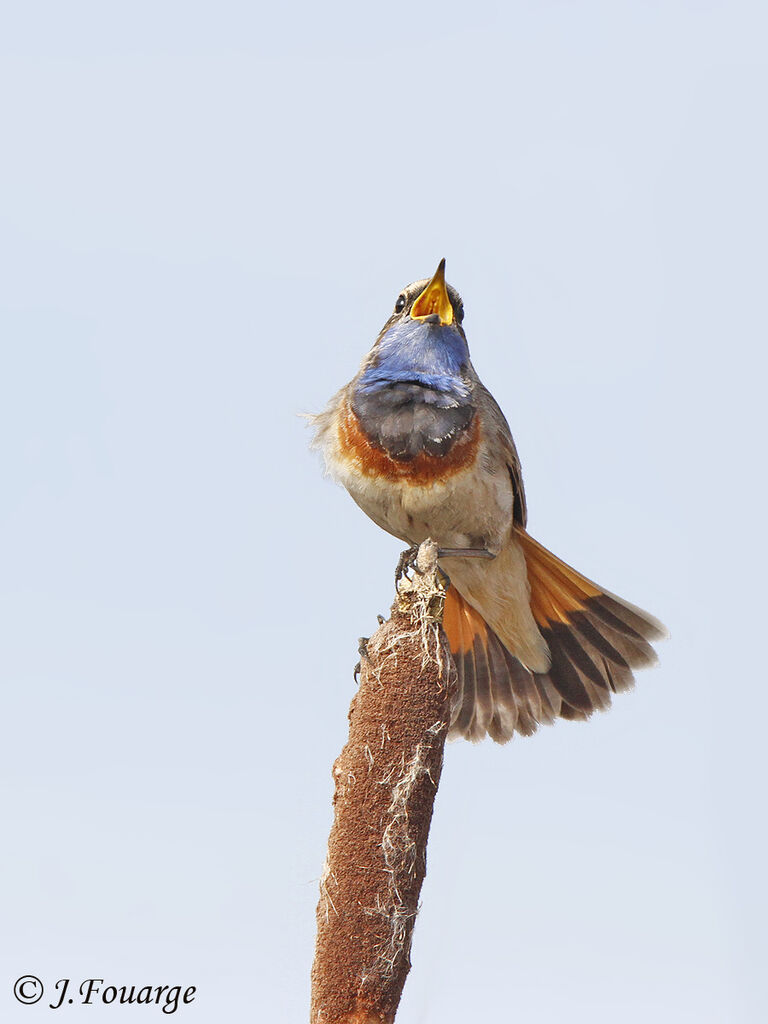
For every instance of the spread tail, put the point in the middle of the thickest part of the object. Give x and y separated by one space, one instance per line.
595 641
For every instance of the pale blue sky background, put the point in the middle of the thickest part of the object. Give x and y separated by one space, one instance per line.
206 213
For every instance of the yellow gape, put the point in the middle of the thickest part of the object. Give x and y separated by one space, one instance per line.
434 299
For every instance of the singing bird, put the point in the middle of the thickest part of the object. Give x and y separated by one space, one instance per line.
422 447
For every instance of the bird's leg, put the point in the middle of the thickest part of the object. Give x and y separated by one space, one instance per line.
460 553
465 553
407 559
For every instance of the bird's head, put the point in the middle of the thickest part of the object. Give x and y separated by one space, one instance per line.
423 339
430 302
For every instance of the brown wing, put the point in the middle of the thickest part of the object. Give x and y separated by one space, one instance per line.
496 422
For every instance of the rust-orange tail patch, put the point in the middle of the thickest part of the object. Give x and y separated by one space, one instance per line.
595 641
496 693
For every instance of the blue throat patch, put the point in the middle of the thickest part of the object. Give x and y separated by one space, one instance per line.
429 354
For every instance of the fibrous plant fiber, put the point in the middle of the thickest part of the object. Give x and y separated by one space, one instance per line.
385 778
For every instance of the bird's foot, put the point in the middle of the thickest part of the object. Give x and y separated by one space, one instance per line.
362 650
406 561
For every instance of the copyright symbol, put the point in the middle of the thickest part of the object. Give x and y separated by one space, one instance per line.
28 989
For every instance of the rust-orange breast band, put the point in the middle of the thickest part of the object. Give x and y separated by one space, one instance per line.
423 469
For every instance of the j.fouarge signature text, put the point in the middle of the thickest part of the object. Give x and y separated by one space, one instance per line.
90 991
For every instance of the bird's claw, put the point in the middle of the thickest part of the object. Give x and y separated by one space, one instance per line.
362 650
407 561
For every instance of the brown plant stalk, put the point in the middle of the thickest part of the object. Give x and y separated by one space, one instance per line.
386 779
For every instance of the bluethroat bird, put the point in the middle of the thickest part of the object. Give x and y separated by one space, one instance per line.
425 451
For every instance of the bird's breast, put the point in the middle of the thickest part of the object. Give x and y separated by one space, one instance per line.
418 443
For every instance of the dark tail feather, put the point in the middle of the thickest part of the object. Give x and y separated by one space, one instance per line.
595 639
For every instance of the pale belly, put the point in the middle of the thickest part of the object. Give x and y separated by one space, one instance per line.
471 509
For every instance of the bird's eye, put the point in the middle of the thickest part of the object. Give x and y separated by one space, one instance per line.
400 304
459 313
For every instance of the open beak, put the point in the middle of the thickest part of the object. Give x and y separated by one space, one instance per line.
434 299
